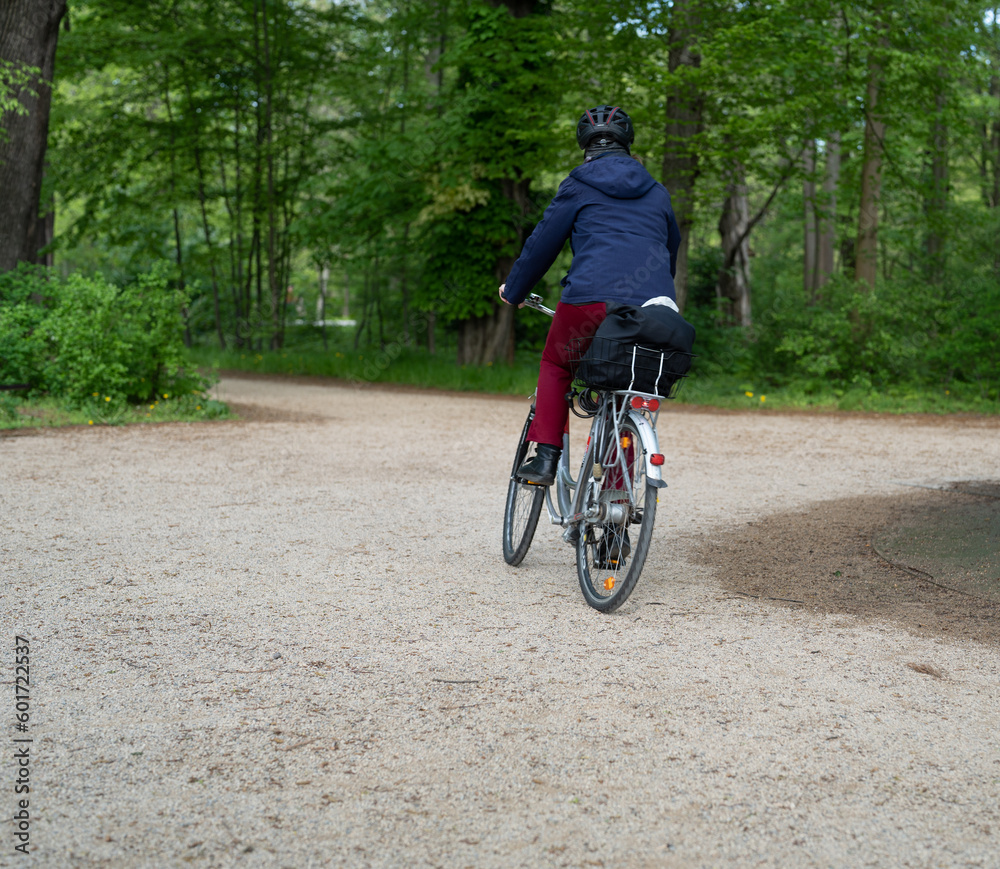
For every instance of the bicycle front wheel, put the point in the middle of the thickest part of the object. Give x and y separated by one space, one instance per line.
524 504
611 552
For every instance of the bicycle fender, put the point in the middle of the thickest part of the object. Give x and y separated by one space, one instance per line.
650 445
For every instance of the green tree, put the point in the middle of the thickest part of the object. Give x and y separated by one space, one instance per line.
205 118
29 31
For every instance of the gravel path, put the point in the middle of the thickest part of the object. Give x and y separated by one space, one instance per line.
295 643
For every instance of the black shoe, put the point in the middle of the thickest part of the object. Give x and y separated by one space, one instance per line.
613 548
541 468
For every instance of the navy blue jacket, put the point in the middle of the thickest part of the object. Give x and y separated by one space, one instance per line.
622 230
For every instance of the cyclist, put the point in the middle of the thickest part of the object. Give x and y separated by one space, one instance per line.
624 238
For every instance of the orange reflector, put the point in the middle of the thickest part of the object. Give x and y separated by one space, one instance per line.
609 583
626 442
656 459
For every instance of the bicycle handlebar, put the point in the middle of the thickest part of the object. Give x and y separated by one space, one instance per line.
535 301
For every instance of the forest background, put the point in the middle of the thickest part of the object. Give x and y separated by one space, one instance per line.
309 186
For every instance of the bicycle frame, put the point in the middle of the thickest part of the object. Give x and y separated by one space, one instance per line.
614 408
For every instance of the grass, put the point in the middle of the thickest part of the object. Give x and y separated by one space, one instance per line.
748 394
416 367
404 366
705 387
47 412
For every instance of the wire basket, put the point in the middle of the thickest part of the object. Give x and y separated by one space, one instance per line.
622 365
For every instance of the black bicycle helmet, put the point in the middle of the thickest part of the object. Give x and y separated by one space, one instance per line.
607 123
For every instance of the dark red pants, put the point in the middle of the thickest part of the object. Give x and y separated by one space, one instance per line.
572 323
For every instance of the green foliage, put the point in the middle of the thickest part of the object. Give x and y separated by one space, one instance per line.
92 344
186 130
410 147
855 342
709 384
496 137
395 364
15 79
462 252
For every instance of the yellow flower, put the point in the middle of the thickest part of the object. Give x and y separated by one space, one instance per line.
165 395
748 394
95 395
198 407
763 398
90 422
107 398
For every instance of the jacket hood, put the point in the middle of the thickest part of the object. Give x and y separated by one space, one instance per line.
616 175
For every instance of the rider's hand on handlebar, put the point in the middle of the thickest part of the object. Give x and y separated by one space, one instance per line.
503 299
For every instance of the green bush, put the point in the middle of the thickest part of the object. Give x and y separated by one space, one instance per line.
903 334
21 313
83 340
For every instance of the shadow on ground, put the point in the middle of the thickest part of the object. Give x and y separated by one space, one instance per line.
928 560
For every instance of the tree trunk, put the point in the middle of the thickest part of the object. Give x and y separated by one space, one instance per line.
29 30
866 250
827 226
487 339
733 286
206 228
936 204
178 244
811 237
683 123
275 286
324 279
491 338
994 190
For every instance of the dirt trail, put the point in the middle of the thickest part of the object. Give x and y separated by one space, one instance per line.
293 642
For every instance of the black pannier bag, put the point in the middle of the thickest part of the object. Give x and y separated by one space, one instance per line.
639 349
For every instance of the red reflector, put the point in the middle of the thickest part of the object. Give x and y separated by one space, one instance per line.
656 459
640 403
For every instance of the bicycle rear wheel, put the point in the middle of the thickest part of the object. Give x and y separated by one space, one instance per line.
610 555
524 504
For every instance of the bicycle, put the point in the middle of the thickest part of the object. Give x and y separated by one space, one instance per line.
616 488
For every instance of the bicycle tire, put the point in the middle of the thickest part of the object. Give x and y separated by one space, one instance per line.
524 504
607 583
